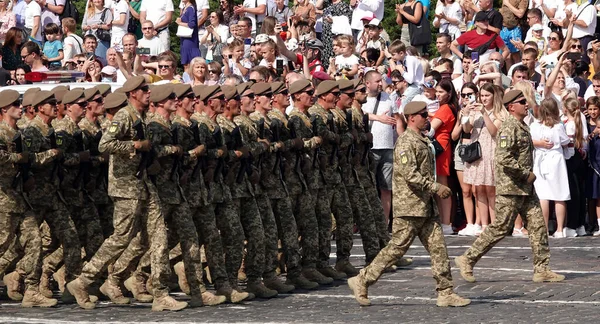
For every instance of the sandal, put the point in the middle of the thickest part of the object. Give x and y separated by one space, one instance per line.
520 232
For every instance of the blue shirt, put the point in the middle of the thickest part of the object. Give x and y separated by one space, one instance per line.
425 3
51 49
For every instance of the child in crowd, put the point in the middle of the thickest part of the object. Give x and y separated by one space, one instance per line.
536 35
592 187
375 40
549 165
53 48
345 64
234 62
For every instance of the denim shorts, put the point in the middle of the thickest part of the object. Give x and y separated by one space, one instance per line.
508 34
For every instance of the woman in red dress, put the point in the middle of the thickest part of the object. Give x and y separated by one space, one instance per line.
443 123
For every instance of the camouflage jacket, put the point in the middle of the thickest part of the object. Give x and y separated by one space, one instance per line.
362 151
218 190
291 158
44 172
10 199
65 130
98 183
345 148
161 137
194 187
257 150
23 122
301 124
513 158
124 161
238 190
414 183
328 158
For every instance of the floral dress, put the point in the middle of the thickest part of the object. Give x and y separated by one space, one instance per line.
339 9
481 172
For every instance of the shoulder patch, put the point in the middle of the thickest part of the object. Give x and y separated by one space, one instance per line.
503 141
114 127
27 141
403 157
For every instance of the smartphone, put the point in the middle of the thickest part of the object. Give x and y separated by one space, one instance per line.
142 51
230 56
596 36
90 55
248 41
279 67
474 57
206 24
284 27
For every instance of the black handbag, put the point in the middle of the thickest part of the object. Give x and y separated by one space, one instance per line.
419 34
103 34
470 152
439 149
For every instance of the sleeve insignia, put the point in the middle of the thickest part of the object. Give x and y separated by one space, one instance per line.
403 158
503 141
113 128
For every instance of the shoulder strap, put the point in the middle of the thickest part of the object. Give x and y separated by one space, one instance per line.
582 10
375 109
103 15
78 43
133 116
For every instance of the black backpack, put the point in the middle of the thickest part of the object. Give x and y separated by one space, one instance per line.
69 11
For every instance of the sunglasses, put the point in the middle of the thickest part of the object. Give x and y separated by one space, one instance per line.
335 93
552 38
576 46
249 96
396 82
221 97
164 66
98 100
285 93
424 114
191 96
80 62
521 102
147 28
213 71
145 88
349 94
309 92
82 103
466 95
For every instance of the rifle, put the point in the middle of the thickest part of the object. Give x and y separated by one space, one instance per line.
313 122
22 168
351 148
54 138
201 161
84 167
245 166
218 138
261 134
368 146
276 126
331 125
138 126
176 159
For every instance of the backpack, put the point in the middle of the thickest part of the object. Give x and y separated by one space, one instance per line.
69 11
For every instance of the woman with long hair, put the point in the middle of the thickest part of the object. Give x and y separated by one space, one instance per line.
215 37
229 17
198 71
7 19
332 8
189 45
93 22
11 50
468 95
485 119
442 124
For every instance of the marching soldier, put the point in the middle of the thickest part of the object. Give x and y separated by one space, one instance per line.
28 111
514 195
414 212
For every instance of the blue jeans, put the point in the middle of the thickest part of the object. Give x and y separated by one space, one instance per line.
102 48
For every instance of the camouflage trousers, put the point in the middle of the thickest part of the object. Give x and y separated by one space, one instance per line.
269 225
303 206
252 224
139 226
507 209
232 237
21 239
323 216
105 212
337 199
363 217
404 231
288 234
379 216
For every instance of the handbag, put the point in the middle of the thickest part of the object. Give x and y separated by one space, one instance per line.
470 152
184 32
103 34
419 34
439 149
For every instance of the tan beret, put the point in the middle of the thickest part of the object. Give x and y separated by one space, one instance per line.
133 83
90 93
72 96
326 87
345 85
115 100
61 87
208 92
414 107
299 85
160 93
230 92
278 87
241 88
182 89
511 96
8 97
104 89
42 97
198 90
358 83
58 95
29 95
262 89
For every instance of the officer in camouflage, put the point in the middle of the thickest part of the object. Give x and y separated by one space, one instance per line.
514 195
415 212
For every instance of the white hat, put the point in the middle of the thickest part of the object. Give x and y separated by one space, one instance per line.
537 27
261 38
292 44
374 22
110 70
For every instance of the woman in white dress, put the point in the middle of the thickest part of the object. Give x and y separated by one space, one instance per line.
549 165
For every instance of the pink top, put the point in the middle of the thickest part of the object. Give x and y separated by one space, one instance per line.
8 21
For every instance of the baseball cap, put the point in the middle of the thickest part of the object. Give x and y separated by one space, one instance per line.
537 27
481 16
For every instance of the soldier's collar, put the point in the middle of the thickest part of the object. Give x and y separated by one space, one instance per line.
181 120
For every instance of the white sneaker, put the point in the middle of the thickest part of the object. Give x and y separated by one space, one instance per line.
558 234
581 231
518 232
469 230
597 233
569 232
447 229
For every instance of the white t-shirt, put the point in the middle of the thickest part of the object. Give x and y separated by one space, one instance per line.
117 32
383 134
156 10
453 11
155 45
72 45
587 14
342 62
364 8
264 62
49 16
253 17
34 10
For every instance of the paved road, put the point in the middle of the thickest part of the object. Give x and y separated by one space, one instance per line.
504 293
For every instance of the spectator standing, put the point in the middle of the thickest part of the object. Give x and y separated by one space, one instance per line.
18 8
134 26
409 66
592 185
32 56
189 45
512 11
281 12
120 23
584 25
53 49
97 18
494 17
11 49
7 19
255 10
51 11
413 12
33 21
534 16
229 17
72 43
197 71
149 40
215 37
335 8
477 38
160 13
305 16
448 17
363 8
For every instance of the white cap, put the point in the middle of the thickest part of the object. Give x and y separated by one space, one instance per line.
110 70
261 38
292 44
537 27
374 22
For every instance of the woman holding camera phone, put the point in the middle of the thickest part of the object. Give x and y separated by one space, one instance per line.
215 37
96 20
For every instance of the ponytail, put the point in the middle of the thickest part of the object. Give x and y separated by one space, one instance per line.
572 107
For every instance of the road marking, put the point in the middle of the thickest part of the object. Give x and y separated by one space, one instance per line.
515 270
354 255
37 321
505 247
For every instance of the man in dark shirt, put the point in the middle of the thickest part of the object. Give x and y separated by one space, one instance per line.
493 16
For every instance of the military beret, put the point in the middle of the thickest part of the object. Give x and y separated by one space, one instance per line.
104 89
262 89
8 97
120 90
42 97
133 83
326 87
115 100
73 96
278 87
511 96
229 92
160 93
345 85
358 83
299 85
414 107
90 93
198 90
61 87
241 88
59 94
182 89
29 95
208 92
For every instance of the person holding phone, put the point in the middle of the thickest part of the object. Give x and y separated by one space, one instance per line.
481 39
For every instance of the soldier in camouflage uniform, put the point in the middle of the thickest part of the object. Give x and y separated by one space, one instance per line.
514 195
363 216
244 176
138 219
415 212
47 199
16 215
223 253
337 197
28 111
